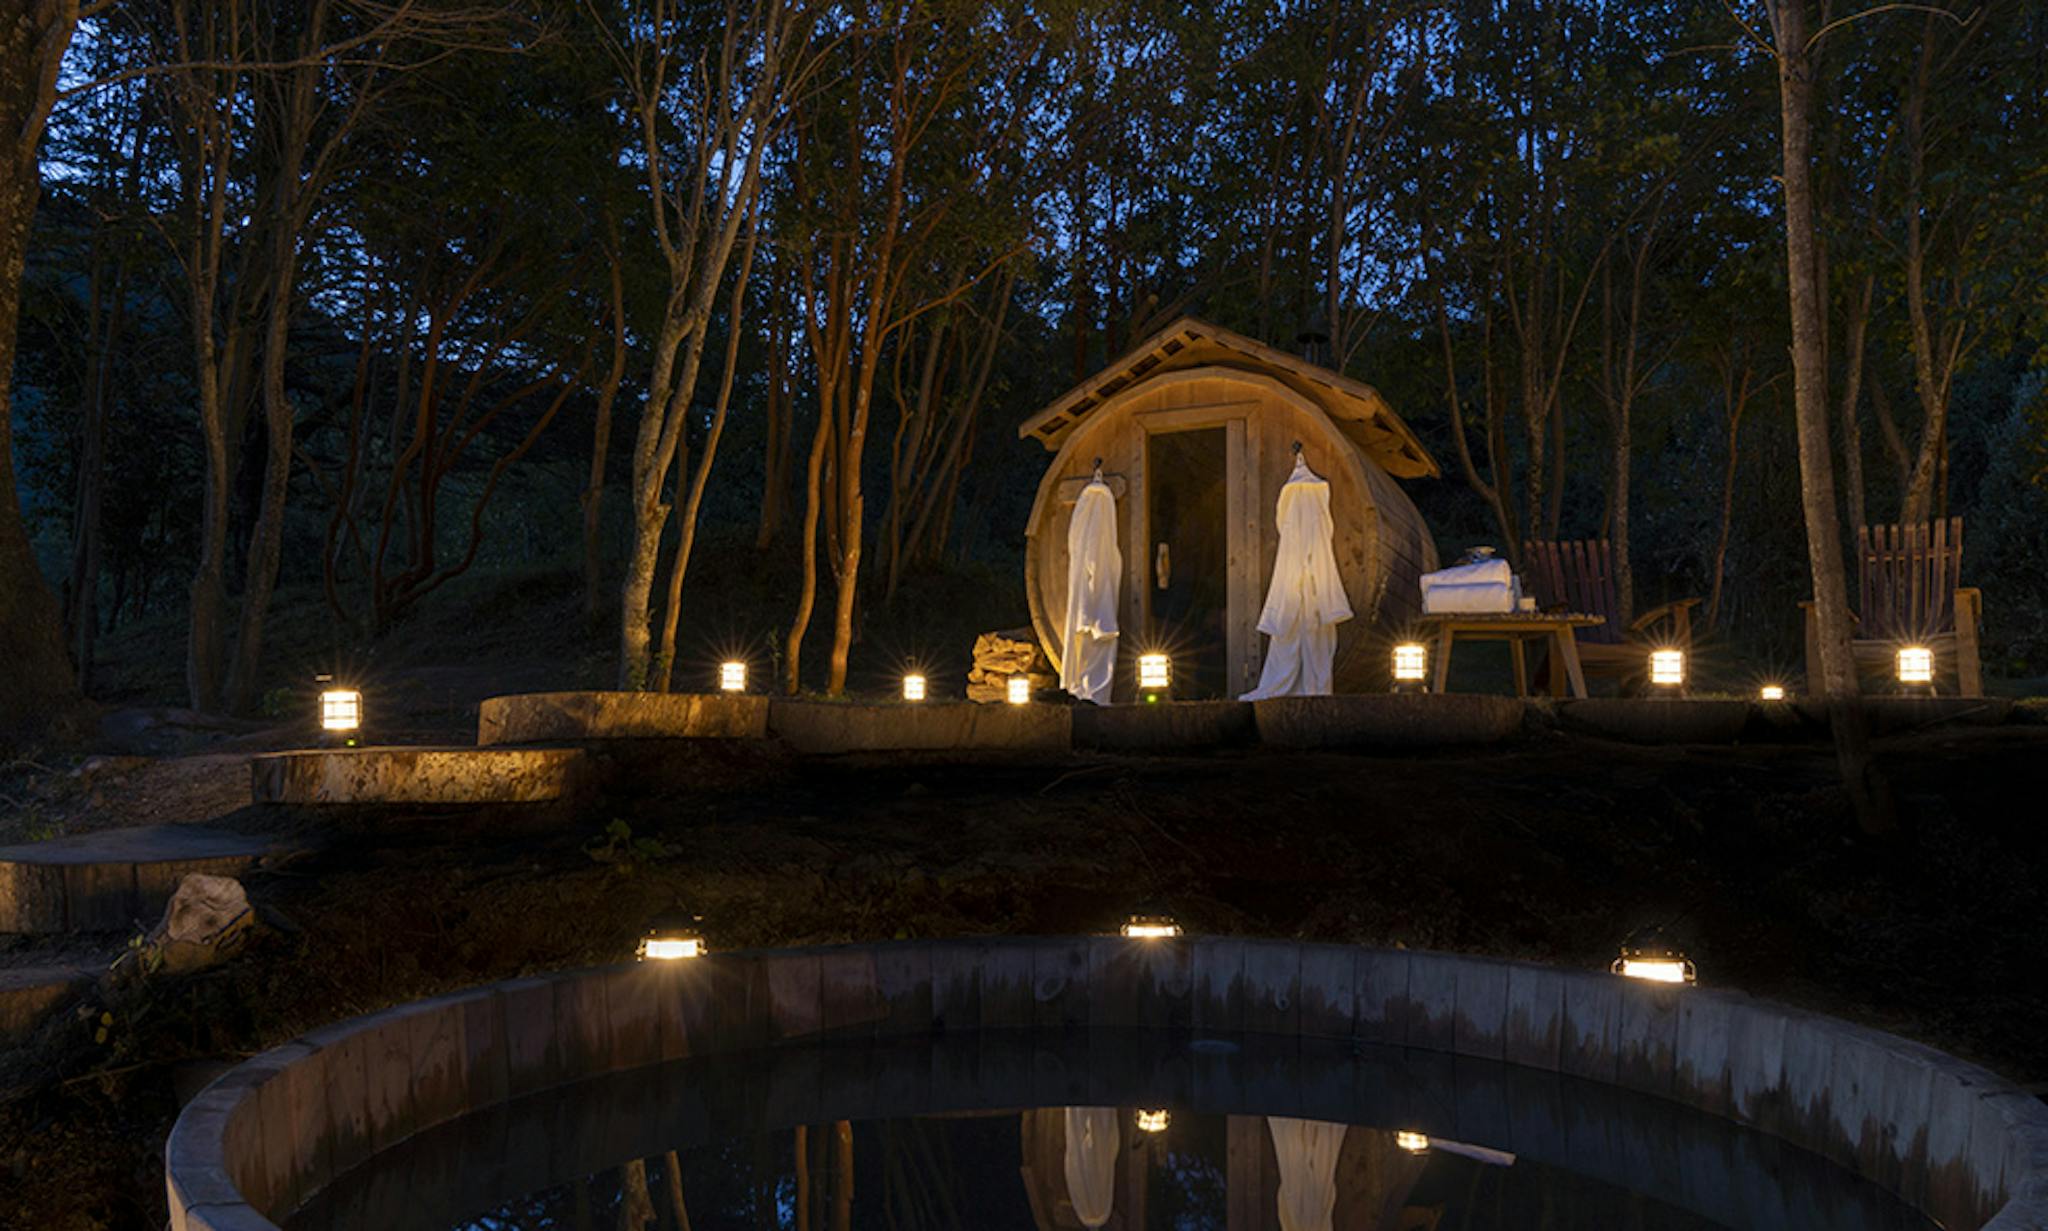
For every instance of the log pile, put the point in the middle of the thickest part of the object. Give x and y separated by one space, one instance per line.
1000 655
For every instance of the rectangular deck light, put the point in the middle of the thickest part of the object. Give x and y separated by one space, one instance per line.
1667 668
913 688
1916 665
732 677
1155 673
1017 691
1411 663
341 709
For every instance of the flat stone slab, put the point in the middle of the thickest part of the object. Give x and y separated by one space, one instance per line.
416 775
112 880
1164 725
28 994
1387 720
1656 720
959 726
530 718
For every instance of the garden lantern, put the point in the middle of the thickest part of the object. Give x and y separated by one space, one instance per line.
1411 664
341 709
1771 692
913 688
1154 1121
1155 675
732 677
1151 925
1916 667
1017 691
1414 1143
1667 668
671 938
1648 956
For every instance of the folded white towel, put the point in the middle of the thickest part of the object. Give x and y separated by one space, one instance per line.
1489 599
1485 572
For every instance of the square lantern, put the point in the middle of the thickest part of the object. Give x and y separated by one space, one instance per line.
732 677
1411 665
1149 925
1153 1121
1155 674
341 710
913 688
1667 668
1017 690
1771 692
1916 666
1413 1142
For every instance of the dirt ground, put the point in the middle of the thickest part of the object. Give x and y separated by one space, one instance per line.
1553 848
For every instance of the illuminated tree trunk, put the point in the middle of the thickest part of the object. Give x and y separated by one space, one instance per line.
37 686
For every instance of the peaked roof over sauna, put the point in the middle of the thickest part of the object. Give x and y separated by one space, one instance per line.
1357 409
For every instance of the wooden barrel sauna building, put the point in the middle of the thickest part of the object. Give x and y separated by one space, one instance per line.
1195 429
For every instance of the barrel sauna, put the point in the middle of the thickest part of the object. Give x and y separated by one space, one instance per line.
1194 431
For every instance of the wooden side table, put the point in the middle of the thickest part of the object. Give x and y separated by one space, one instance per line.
1516 628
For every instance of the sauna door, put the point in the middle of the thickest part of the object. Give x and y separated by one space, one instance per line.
1186 570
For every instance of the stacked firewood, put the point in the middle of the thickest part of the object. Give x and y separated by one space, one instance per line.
1000 655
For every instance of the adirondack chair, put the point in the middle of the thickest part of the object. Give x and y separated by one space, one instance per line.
1578 575
1909 591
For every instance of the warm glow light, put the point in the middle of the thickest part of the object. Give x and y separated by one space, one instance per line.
1018 690
1667 667
341 709
732 677
1916 665
1411 660
1414 1143
1772 692
913 688
1155 672
668 949
1657 969
1151 927
1153 1121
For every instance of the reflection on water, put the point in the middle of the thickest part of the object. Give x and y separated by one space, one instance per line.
1034 1133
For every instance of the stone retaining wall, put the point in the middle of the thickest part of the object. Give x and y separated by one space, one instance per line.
1954 1140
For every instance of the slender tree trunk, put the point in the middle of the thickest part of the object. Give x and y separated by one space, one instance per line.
83 617
1866 789
807 545
1852 393
673 1168
37 687
601 439
266 541
842 1188
636 1203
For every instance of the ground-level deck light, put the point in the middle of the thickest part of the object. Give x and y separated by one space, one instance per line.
732 676
1413 1142
1771 692
1155 675
341 710
1017 690
1667 669
913 687
1151 925
671 938
1411 666
1154 1120
1648 956
1916 668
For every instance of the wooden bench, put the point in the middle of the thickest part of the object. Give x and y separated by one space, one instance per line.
1578 575
1909 591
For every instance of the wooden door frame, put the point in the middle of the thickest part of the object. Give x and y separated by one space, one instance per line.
1241 527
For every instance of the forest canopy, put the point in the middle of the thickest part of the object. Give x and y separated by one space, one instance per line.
357 297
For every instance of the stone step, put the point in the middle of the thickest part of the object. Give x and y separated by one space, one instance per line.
112 880
28 994
545 717
833 727
416 775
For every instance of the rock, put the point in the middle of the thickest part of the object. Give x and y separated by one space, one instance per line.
207 920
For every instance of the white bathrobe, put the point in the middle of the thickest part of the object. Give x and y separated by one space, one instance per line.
1092 1145
1094 575
1307 1153
1305 602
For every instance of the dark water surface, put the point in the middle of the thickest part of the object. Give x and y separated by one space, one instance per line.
1024 1131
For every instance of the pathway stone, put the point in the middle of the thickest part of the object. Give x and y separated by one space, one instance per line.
28 994
112 880
416 775
531 718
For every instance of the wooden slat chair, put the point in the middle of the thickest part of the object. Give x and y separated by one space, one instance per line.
1909 591
1578 575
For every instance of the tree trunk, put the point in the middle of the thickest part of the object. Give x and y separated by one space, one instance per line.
1852 393
266 541
1866 790
807 544
601 440
636 1203
37 688
673 1168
